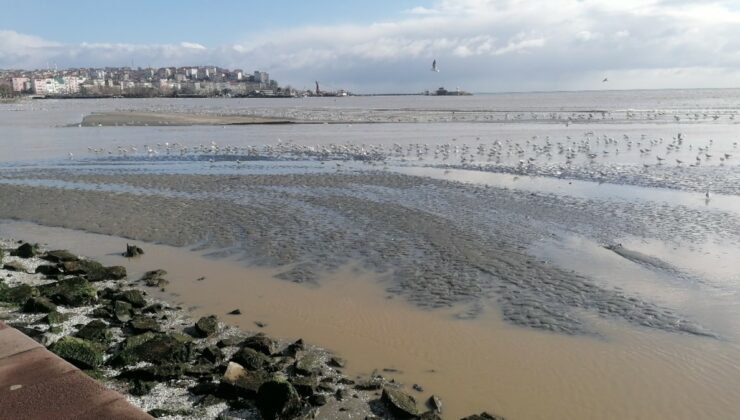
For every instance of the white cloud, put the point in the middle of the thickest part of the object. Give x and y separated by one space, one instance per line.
531 44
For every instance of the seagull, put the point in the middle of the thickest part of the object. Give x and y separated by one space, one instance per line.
434 66
605 80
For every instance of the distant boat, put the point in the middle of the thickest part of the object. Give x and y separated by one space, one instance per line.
434 66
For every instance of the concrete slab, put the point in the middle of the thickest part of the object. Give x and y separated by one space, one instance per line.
13 341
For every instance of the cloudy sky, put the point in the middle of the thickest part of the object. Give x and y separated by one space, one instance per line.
388 46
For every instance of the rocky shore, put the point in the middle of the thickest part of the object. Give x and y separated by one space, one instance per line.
172 366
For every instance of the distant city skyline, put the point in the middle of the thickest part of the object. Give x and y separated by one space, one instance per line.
388 46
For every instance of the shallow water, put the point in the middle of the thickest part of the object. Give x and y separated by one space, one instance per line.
432 240
481 364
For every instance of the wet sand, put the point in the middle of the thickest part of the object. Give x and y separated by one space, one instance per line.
481 364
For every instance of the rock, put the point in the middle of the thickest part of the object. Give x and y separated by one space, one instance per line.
140 387
310 364
483 416
318 400
48 270
209 400
155 278
92 270
81 353
251 359
293 348
212 354
122 311
227 342
116 272
206 326
430 415
25 251
204 388
260 324
59 255
155 348
337 362
278 399
417 388
74 291
39 304
235 312
371 384
142 324
164 348
305 385
55 318
435 403
15 266
101 312
133 251
18 294
167 372
95 330
154 308
242 382
261 343
400 403
134 297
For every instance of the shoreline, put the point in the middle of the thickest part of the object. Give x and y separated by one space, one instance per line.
169 364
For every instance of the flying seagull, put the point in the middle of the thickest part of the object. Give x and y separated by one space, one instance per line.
605 80
434 66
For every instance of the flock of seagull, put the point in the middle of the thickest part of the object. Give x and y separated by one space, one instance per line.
589 148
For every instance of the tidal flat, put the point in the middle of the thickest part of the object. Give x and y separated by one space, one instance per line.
555 265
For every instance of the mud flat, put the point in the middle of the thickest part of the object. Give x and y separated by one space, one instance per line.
122 118
174 366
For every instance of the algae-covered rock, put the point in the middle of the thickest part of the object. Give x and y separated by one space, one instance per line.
400 403
251 359
310 364
141 324
95 330
278 399
154 348
74 291
18 294
92 270
483 416
55 318
132 296
39 304
206 326
261 343
155 278
122 311
60 255
81 353
116 272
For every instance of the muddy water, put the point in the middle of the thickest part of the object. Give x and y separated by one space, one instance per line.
474 365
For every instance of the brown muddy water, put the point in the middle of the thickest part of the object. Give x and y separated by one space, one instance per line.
474 365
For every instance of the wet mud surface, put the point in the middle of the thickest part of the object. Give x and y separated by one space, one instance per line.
437 243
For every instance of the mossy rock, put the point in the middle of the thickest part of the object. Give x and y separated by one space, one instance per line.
141 324
278 399
74 291
251 359
39 304
122 311
95 330
206 326
140 387
154 278
154 348
261 343
132 296
18 294
55 318
116 272
60 255
310 364
81 353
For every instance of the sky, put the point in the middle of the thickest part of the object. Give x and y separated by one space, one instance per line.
388 45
